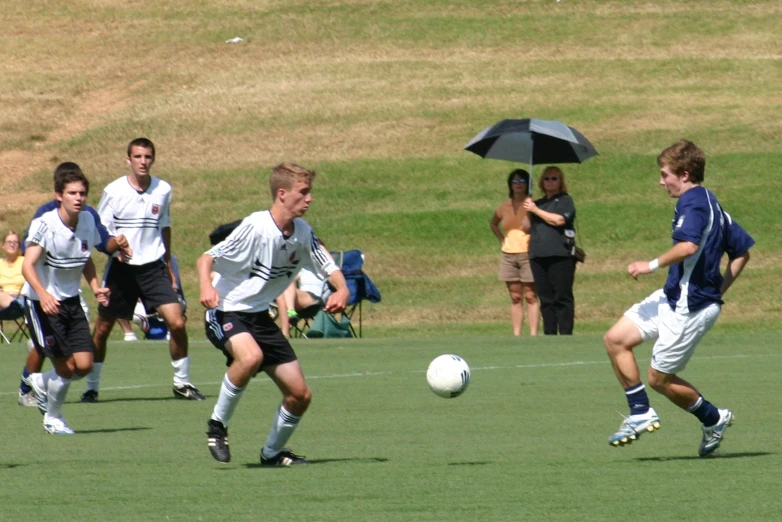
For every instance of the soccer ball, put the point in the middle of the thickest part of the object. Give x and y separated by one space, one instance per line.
448 376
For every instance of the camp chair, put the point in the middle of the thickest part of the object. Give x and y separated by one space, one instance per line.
13 314
361 287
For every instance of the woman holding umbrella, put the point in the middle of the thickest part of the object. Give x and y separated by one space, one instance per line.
515 268
549 221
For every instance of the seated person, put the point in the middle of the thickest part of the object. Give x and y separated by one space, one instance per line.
307 292
11 279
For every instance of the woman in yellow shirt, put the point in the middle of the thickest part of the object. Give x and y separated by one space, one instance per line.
515 269
11 279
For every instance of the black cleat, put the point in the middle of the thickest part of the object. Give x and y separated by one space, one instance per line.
217 440
284 458
89 396
188 392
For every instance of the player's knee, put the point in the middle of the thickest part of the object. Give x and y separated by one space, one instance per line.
299 400
82 370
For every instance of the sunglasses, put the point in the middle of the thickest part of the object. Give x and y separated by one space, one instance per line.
550 178
12 243
518 181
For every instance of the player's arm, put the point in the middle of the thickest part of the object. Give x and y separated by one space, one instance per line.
49 304
91 276
733 270
209 298
339 299
678 253
166 235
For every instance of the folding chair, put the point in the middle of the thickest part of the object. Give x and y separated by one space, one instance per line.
13 314
361 287
301 325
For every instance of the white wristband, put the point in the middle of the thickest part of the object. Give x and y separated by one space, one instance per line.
654 264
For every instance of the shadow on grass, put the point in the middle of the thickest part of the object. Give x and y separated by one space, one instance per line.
471 463
713 457
367 460
113 430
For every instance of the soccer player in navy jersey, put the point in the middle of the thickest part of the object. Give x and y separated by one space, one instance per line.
137 205
253 266
677 316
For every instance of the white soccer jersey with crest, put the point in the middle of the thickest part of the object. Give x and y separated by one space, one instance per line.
256 263
141 216
65 252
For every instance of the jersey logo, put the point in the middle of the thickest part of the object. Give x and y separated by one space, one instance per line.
680 222
155 210
49 340
84 246
227 327
292 258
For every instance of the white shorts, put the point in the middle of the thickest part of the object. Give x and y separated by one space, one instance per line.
676 334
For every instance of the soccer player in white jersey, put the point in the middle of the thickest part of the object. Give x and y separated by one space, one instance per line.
137 205
677 316
59 246
253 265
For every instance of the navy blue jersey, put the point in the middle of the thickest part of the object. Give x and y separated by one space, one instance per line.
51 205
695 283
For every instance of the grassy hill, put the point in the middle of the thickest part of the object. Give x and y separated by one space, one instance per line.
380 97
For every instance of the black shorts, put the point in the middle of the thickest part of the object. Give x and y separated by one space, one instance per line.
61 335
221 326
129 283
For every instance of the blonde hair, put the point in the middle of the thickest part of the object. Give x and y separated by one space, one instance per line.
549 171
284 175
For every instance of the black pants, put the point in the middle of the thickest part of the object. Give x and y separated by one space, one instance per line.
554 284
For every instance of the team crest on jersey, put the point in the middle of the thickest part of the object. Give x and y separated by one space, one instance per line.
84 246
155 210
292 258
227 327
49 340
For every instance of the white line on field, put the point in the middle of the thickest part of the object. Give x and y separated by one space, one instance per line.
476 368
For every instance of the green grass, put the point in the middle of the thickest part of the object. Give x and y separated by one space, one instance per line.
527 441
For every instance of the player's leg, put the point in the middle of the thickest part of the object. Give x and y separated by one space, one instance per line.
33 364
638 324
516 306
296 399
679 337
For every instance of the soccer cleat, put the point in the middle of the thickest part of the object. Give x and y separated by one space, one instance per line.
712 437
56 426
131 336
27 399
41 397
188 392
284 458
89 396
217 440
633 426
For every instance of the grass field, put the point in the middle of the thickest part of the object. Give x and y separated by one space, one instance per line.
527 441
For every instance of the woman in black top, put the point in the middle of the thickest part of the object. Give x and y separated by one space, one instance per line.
549 222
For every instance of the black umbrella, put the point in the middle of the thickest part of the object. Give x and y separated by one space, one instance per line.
544 141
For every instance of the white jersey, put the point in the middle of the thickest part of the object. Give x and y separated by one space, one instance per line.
256 263
65 252
141 216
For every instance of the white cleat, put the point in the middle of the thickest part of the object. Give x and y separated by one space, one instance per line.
633 426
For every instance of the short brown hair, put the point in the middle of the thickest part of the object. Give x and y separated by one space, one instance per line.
284 175
553 171
144 143
69 173
684 156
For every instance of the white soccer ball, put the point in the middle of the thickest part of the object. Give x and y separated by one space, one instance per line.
448 376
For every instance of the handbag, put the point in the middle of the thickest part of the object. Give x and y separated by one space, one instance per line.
579 254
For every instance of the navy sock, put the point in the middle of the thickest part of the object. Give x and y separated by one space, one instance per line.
23 386
706 412
637 399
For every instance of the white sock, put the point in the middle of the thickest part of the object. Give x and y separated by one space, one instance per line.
57 390
181 370
282 429
227 401
46 377
93 378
